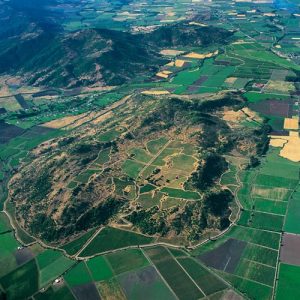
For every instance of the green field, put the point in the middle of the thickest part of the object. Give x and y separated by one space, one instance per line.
132 168
207 281
74 246
255 271
135 284
126 260
4 223
78 275
292 223
51 265
173 274
288 283
110 238
252 289
22 282
261 220
8 246
100 268
155 145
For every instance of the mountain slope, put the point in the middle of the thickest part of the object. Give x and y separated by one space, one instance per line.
91 56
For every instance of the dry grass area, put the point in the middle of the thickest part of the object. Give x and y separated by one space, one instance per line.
83 120
233 116
164 74
10 103
291 123
252 114
171 52
179 63
201 56
102 118
65 121
290 146
155 92
280 86
231 80
291 150
277 142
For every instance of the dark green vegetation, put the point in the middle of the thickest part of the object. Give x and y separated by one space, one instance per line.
110 238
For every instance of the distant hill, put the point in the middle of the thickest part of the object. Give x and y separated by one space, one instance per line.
44 55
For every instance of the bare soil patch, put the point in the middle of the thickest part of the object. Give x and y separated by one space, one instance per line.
289 252
23 255
226 257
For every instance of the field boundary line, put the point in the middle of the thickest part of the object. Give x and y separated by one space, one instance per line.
88 241
248 279
174 258
259 263
160 275
280 242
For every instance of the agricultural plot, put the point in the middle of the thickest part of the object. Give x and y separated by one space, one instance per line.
261 220
270 206
111 238
207 281
289 253
132 168
126 260
100 268
51 265
55 292
4 223
173 274
256 271
226 257
149 200
251 288
23 255
110 289
81 284
8 246
292 217
147 279
288 283
74 246
21 282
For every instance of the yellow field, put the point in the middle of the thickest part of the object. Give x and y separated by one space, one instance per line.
102 118
291 123
65 121
233 116
277 142
164 74
152 92
179 63
231 80
290 146
201 56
